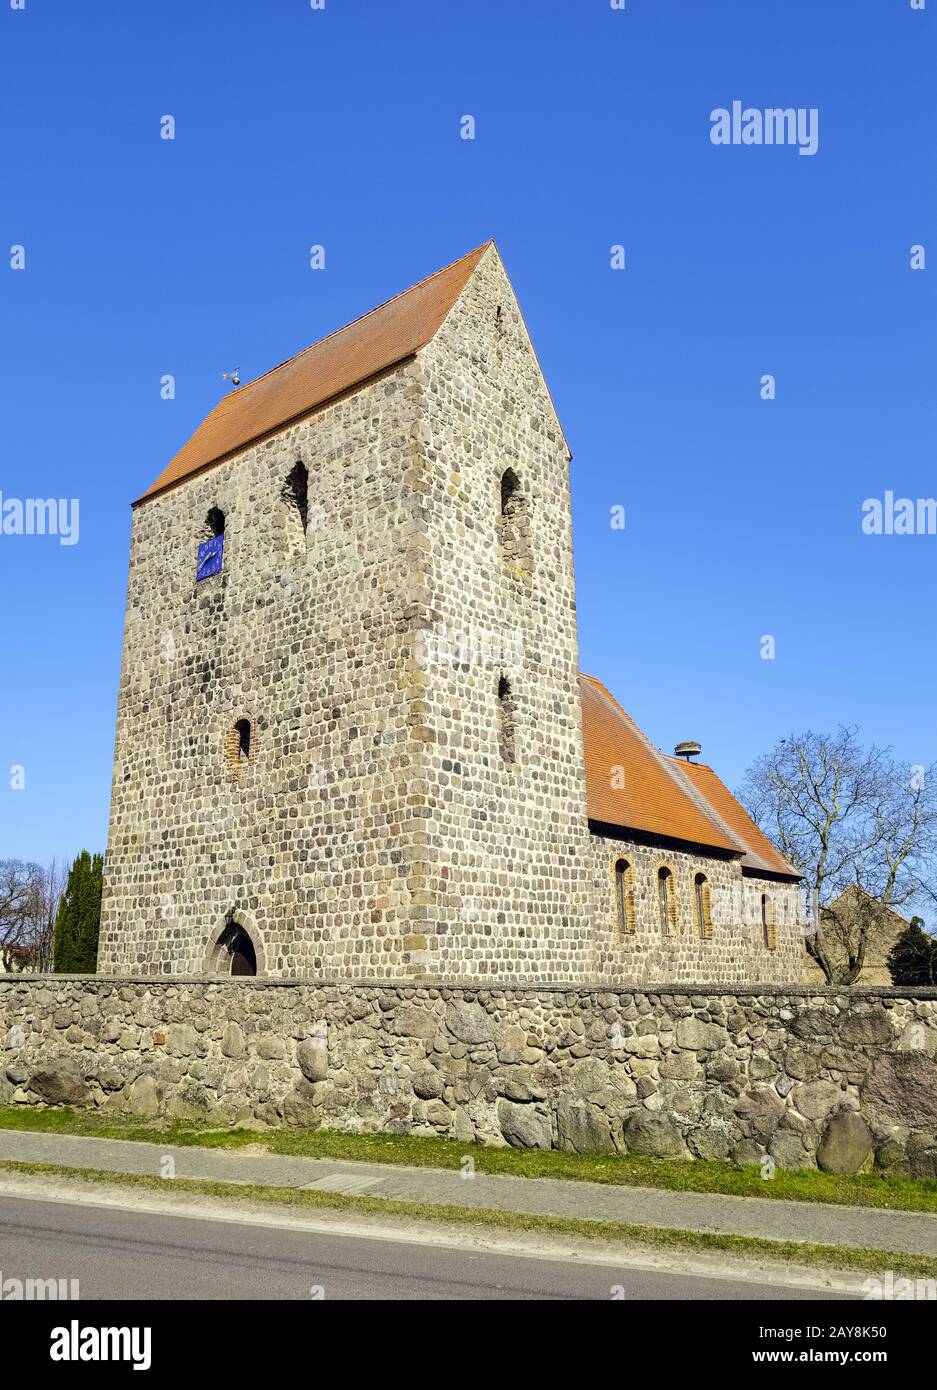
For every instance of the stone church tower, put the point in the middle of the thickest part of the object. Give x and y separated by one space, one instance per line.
353 741
349 735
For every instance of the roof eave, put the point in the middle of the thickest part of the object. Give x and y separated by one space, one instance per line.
639 835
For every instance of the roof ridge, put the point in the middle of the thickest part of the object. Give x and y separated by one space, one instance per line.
682 780
674 758
659 754
704 800
709 810
360 319
612 701
753 848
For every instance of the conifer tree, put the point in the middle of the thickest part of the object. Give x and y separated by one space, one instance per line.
75 949
913 958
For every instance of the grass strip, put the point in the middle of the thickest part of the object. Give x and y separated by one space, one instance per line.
416 1151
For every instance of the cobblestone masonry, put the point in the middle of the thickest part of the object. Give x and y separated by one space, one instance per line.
736 952
507 888
312 841
413 799
843 1080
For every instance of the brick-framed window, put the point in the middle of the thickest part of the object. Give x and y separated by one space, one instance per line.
237 747
624 914
702 899
666 900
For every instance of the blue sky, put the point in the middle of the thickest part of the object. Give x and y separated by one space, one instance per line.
340 127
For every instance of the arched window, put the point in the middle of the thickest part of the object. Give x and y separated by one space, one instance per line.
624 898
666 900
237 746
701 894
296 496
506 721
769 931
214 522
514 524
510 491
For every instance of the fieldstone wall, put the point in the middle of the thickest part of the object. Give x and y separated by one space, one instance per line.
843 1080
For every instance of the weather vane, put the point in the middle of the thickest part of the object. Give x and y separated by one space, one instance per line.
235 379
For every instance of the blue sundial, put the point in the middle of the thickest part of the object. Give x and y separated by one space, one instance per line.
210 555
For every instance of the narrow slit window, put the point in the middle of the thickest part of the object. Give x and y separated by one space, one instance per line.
510 488
296 497
514 523
769 931
704 924
237 748
506 717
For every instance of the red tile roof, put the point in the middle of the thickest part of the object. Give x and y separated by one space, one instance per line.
760 853
630 783
346 359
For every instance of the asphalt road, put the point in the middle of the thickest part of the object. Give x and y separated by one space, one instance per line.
774 1219
118 1254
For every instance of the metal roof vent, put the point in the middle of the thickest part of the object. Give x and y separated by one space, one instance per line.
688 750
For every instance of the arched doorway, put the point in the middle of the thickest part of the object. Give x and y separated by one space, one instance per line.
235 949
243 956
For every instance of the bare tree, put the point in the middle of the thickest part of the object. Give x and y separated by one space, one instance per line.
859 826
16 893
48 885
29 901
